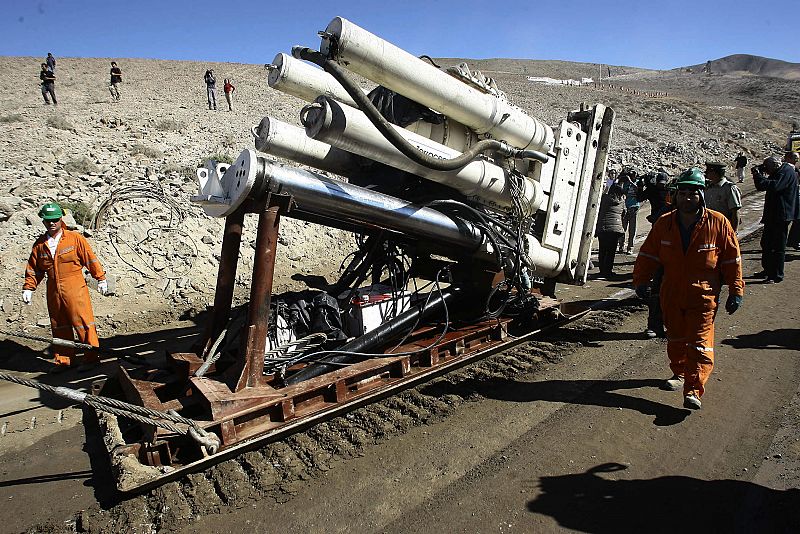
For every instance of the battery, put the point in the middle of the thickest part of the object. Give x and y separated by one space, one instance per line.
374 305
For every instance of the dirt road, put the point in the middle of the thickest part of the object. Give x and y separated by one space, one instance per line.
566 433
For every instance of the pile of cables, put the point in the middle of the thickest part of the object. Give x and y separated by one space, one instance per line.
507 238
144 190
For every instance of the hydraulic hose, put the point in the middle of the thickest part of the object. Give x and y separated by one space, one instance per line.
397 140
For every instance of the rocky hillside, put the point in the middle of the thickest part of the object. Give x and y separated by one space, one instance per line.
747 64
133 163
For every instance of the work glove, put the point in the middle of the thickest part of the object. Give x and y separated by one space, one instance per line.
733 303
102 287
643 291
27 294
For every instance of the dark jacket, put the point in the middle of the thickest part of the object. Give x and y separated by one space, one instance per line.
780 201
609 218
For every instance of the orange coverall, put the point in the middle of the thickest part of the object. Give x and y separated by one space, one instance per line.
68 299
690 290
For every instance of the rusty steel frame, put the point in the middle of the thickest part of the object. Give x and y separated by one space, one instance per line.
244 407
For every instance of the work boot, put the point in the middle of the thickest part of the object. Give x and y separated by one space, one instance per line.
692 402
673 384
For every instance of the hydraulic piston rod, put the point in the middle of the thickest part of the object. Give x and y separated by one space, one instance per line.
335 199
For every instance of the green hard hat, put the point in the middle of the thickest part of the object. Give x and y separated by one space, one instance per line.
51 212
691 178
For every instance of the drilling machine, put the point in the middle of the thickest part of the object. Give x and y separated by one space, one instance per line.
441 178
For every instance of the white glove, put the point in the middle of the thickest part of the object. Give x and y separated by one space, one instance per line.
26 296
102 287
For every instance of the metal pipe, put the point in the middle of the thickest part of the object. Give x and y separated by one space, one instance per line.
298 78
258 311
481 181
226 278
382 62
326 196
373 339
283 140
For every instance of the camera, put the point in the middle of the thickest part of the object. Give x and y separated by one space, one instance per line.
759 168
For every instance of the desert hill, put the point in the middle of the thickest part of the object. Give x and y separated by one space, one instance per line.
748 64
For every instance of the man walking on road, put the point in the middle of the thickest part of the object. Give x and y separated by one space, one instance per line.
780 208
722 195
627 180
741 163
62 255
793 240
697 249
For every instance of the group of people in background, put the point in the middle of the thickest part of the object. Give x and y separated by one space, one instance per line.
47 79
211 90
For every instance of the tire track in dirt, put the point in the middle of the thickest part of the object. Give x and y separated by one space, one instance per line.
280 469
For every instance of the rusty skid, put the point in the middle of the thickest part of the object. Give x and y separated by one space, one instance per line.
243 406
254 416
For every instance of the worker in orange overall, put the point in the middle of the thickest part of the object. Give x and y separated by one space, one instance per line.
62 255
698 249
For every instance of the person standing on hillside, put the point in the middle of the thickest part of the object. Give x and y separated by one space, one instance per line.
51 62
741 163
61 255
780 208
229 89
722 195
211 89
793 240
116 80
698 251
48 84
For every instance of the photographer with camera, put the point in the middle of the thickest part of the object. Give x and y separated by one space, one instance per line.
781 206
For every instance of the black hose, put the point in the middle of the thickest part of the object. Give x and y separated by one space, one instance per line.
394 137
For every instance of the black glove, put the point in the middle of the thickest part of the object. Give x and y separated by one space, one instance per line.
643 291
733 303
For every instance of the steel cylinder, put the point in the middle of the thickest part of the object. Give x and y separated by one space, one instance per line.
339 200
382 62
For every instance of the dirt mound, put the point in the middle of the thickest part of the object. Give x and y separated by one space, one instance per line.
747 64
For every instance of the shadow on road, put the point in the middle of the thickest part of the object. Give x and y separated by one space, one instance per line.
781 339
587 502
585 392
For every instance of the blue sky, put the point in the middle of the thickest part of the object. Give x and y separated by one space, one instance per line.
640 33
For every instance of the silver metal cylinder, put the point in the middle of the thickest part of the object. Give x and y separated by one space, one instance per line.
380 61
342 201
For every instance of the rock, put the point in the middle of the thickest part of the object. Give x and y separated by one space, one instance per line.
43 322
208 240
8 206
